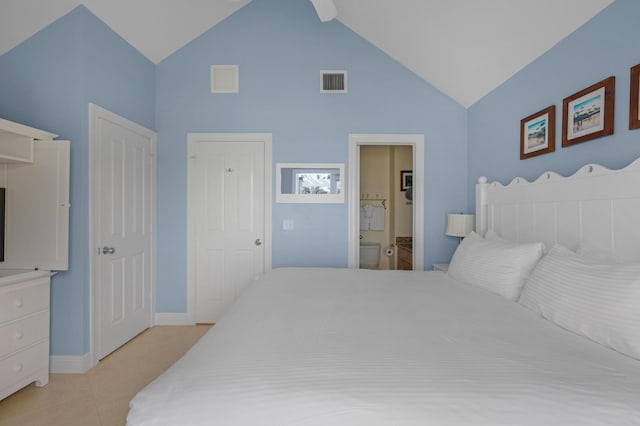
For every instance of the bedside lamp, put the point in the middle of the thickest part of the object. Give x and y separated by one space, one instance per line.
460 225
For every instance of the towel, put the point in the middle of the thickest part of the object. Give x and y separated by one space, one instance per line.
377 219
366 213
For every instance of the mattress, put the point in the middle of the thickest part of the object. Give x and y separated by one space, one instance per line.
305 346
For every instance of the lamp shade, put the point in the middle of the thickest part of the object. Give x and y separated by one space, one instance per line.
325 9
460 225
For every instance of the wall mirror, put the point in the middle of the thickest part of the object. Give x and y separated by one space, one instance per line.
310 183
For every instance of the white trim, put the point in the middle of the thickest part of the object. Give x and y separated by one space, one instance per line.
353 183
96 112
21 129
70 364
172 318
192 138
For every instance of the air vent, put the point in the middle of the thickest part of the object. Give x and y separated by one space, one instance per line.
333 81
224 79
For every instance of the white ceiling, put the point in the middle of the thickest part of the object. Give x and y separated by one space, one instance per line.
465 48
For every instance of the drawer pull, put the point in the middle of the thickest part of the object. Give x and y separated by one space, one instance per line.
18 335
18 303
18 368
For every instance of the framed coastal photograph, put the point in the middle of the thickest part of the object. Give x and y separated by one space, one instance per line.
588 114
538 133
634 99
406 179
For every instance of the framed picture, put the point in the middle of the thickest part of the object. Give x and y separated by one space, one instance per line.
538 133
634 99
588 114
406 179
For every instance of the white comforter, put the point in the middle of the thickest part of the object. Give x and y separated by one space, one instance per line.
359 347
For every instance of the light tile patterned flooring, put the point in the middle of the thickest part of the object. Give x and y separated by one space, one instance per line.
101 396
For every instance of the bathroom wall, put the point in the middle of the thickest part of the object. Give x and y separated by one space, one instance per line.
403 160
376 165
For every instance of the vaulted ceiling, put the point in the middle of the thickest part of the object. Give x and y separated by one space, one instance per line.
465 48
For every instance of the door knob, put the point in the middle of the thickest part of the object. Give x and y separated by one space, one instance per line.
258 241
108 250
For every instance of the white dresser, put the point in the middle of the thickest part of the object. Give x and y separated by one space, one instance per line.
24 329
34 172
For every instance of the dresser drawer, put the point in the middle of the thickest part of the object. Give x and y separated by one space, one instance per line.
23 299
21 365
24 332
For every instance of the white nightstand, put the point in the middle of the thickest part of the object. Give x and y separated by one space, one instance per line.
443 267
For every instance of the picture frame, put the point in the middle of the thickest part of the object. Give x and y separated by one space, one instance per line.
634 98
588 114
406 179
538 133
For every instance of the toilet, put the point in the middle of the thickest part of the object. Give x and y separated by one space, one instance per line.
369 255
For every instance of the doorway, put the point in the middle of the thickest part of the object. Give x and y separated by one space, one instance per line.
355 193
386 211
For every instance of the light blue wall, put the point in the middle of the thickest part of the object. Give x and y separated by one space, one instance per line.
47 82
607 45
281 46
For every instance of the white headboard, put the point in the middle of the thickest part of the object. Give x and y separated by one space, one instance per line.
596 204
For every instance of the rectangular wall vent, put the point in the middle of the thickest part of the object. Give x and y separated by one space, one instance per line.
333 81
224 79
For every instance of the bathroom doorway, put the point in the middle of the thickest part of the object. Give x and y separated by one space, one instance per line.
386 207
381 170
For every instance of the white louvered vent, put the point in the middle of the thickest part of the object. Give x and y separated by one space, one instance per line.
333 81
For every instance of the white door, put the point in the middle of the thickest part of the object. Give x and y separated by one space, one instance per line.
123 185
229 203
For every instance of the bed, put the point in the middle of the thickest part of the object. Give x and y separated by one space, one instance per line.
485 344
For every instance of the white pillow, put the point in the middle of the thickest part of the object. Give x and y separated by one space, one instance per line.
600 301
495 264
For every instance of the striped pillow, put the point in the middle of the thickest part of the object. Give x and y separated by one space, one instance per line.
495 264
598 300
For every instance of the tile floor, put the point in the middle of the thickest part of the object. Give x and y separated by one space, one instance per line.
101 396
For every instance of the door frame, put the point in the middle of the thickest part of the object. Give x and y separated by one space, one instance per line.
192 139
95 113
356 140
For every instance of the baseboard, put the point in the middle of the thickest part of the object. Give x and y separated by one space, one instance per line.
78 364
70 364
172 318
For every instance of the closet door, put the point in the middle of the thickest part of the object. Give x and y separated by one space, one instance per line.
124 165
228 224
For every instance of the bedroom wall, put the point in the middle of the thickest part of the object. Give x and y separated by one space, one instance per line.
606 45
281 46
47 82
